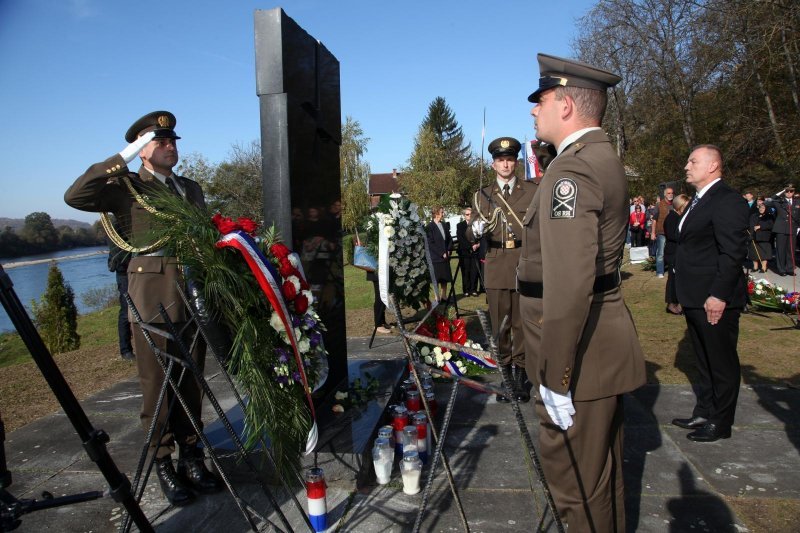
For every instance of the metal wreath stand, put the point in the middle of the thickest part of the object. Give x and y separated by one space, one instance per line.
184 359
539 487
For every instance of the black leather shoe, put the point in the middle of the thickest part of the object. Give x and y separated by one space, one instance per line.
508 377
520 385
177 494
690 423
193 472
709 433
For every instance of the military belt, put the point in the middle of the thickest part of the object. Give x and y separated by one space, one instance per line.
604 283
505 244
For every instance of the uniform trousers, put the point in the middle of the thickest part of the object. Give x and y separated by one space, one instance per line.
511 348
583 465
151 376
717 363
784 253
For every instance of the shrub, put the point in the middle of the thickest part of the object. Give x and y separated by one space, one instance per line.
348 245
56 316
101 297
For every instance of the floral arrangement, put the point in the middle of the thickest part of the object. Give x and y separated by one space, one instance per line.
455 331
767 296
277 362
409 277
358 394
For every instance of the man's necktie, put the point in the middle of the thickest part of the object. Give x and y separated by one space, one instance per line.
506 192
174 188
694 202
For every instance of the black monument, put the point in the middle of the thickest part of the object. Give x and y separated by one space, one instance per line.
297 82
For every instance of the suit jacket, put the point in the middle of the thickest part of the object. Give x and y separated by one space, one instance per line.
464 245
500 267
575 231
671 236
712 244
437 244
151 279
782 211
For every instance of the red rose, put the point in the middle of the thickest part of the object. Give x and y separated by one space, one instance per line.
303 283
224 224
459 331
751 287
301 304
289 292
279 250
424 330
286 269
247 225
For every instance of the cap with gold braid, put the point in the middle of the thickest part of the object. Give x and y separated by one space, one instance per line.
561 72
161 122
504 146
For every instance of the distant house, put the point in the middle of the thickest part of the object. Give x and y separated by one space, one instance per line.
380 184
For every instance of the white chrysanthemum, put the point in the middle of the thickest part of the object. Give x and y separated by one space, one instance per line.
391 247
340 395
437 350
388 231
399 282
402 233
429 359
303 346
424 351
459 364
759 292
276 323
448 355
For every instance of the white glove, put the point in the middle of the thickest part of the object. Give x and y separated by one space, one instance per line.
130 151
477 228
558 406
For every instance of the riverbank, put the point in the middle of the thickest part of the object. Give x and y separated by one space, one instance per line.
18 264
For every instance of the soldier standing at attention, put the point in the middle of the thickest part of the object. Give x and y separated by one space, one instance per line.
498 211
109 186
580 341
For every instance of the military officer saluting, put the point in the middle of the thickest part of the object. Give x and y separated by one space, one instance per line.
109 186
580 341
498 210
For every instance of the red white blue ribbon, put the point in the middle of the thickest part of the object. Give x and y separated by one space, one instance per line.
486 362
268 279
452 368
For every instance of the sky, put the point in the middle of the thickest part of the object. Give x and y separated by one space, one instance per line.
75 74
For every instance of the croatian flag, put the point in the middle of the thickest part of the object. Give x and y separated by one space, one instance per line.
532 169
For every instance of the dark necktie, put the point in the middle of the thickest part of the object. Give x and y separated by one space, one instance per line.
174 188
506 192
694 202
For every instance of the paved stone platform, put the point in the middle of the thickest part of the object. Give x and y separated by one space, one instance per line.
672 484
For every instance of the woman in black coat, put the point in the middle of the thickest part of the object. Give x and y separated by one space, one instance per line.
671 222
759 250
440 243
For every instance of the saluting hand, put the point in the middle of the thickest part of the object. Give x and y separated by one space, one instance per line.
129 152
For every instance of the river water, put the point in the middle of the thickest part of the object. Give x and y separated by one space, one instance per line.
82 274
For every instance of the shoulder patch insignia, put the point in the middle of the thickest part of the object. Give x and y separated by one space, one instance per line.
565 195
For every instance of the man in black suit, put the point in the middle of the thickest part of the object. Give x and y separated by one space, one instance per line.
787 217
467 256
711 288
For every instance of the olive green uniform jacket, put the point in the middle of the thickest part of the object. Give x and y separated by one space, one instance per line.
575 231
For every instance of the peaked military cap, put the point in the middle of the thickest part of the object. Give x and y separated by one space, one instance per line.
789 187
162 122
504 146
560 72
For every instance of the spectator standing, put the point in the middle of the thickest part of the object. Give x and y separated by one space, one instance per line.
118 260
440 243
636 225
663 206
787 218
759 250
679 204
467 256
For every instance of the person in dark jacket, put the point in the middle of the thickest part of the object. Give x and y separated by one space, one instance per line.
671 234
440 243
759 250
467 256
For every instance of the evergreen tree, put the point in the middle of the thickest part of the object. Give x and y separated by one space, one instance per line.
56 316
441 121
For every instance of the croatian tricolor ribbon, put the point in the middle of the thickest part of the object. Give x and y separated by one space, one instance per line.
452 368
267 278
486 362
